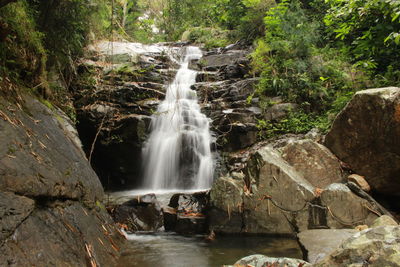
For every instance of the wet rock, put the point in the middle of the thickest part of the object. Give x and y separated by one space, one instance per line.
366 135
384 220
345 209
191 224
360 181
262 261
186 213
206 76
142 213
374 247
170 218
195 203
319 243
314 162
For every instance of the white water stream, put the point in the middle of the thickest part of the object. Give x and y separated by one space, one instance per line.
177 154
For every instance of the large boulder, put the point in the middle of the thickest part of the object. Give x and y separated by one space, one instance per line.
271 198
319 243
373 247
286 186
50 198
366 136
278 194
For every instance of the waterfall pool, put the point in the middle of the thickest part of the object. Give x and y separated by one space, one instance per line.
167 249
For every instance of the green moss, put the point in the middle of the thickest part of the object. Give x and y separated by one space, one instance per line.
100 205
47 103
22 54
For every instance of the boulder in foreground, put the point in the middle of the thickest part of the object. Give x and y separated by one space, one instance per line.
375 247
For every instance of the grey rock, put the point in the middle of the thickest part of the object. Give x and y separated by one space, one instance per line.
366 136
38 159
190 213
50 198
220 60
279 111
68 235
319 243
373 247
279 193
226 201
384 220
263 261
13 211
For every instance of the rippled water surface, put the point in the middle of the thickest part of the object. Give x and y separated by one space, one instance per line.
164 250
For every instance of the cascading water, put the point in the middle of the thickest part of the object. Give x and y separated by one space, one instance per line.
177 154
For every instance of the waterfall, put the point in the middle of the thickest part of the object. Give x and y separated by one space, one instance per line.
177 154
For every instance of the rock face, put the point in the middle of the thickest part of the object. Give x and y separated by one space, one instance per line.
372 247
314 162
345 209
50 198
286 186
226 212
366 135
262 261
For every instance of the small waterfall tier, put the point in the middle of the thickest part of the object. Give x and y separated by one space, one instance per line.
177 154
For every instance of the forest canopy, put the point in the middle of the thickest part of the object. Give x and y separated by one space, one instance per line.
316 53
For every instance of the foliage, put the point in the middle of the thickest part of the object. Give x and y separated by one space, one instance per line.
244 18
368 31
296 122
66 25
22 54
292 64
210 37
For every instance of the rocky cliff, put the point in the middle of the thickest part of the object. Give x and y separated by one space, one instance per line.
51 211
